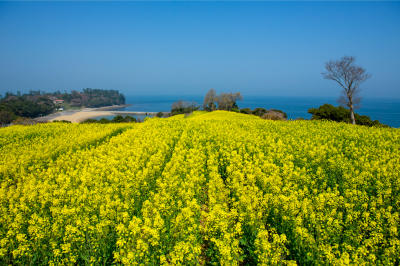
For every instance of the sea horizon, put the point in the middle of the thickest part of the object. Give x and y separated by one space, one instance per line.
384 109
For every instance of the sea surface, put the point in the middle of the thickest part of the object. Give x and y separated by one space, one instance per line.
386 110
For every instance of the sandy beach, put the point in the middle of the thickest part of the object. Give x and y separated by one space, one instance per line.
81 116
77 116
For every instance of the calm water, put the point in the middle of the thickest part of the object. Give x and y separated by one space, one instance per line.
386 110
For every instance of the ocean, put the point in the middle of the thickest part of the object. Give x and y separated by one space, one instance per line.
386 110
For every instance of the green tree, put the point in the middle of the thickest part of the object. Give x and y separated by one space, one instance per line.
129 119
117 119
5 117
329 112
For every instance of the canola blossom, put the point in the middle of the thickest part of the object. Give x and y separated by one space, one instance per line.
216 188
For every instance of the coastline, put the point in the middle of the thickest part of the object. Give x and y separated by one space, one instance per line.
79 115
105 108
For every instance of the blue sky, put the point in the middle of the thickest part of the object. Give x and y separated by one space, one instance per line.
257 48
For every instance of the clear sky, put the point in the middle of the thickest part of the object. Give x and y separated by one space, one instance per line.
257 48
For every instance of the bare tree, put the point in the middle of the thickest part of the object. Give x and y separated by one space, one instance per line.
183 107
233 98
228 100
178 104
209 100
349 76
223 101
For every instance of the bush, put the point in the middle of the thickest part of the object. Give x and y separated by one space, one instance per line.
271 116
246 111
104 121
160 114
279 111
5 117
259 111
365 120
129 119
341 114
184 107
116 119
23 121
329 112
90 120
61 121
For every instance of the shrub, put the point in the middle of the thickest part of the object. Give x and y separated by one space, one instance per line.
117 119
341 114
90 120
246 111
329 112
279 111
129 119
61 121
271 116
5 117
259 111
184 107
23 121
365 120
104 121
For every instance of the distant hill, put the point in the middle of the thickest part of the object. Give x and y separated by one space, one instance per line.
93 98
36 103
14 107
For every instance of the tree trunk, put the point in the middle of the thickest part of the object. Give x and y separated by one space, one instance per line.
352 119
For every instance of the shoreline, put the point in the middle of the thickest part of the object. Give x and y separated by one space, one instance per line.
81 116
105 108
72 114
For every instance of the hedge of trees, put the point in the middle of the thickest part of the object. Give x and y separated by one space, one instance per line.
271 114
116 119
88 97
13 107
93 98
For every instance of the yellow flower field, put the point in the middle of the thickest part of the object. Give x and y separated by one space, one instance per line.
216 188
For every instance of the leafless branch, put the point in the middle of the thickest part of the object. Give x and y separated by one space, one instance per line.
350 77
